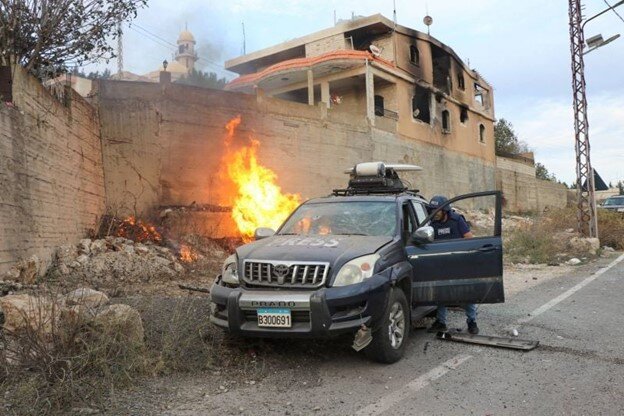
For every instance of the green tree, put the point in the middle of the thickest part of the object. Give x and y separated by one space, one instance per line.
506 140
621 187
542 173
203 79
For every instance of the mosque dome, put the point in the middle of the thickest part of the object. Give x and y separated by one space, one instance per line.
186 36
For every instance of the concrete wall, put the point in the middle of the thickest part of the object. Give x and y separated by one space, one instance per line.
163 146
51 175
522 191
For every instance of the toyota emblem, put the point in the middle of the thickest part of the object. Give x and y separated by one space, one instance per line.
280 271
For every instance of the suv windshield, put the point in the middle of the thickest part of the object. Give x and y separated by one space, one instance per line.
343 218
614 201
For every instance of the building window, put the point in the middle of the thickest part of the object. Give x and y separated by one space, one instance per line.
463 114
479 94
481 133
379 105
446 121
421 101
460 81
414 55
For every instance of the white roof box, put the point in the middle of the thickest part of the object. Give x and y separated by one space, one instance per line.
379 168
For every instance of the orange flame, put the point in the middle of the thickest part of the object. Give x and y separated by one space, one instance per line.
137 230
187 254
259 201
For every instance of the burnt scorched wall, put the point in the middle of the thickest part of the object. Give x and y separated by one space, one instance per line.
163 145
51 175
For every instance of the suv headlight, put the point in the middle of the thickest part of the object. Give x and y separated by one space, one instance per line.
229 271
357 270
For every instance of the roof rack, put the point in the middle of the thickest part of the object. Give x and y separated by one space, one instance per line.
376 178
375 191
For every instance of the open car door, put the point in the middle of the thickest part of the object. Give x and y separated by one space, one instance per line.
463 270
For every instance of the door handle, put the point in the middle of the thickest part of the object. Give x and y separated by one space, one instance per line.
487 247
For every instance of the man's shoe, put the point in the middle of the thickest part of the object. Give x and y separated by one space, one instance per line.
437 326
473 328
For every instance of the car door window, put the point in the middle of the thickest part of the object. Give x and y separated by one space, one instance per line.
420 210
474 216
409 221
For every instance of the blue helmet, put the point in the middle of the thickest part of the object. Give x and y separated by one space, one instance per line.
438 200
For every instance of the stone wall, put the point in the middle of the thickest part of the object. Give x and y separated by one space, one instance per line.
328 44
522 191
163 145
51 175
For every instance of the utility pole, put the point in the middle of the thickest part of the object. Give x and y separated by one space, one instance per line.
586 201
119 49
585 187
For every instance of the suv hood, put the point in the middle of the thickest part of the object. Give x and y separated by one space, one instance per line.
334 249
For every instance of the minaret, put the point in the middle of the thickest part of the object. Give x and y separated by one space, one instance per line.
185 54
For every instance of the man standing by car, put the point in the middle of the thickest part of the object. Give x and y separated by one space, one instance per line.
448 225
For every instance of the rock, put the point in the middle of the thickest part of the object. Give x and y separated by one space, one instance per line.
63 269
129 250
29 270
581 245
573 262
84 246
24 311
141 249
608 249
67 253
12 274
82 259
178 267
98 247
86 297
122 319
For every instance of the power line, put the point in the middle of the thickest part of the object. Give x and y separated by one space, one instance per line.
614 11
163 42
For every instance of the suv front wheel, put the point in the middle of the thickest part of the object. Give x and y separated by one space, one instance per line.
389 340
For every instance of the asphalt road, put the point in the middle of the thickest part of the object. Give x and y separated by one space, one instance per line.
578 369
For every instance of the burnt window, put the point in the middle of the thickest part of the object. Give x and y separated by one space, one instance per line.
441 62
461 84
479 94
414 55
463 114
446 121
379 105
421 101
481 133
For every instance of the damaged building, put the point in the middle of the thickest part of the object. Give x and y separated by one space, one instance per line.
404 81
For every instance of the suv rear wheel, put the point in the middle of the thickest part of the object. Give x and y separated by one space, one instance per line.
389 340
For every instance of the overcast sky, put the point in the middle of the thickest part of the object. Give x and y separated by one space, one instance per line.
520 47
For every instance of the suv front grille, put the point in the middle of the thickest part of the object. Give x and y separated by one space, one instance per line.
285 273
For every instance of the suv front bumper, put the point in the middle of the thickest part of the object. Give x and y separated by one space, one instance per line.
315 313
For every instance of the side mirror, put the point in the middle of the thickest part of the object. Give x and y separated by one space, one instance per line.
424 234
263 232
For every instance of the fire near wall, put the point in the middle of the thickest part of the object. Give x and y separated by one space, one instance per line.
51 175
163 145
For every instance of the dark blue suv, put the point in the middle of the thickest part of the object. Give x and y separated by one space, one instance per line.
363 258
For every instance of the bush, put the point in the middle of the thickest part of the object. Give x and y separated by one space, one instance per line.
611 229
532 245
67 359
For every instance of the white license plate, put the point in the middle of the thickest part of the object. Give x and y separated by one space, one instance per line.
620 210
274 317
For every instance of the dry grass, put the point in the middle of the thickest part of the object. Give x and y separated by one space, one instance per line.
49 366
546 240
611 229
